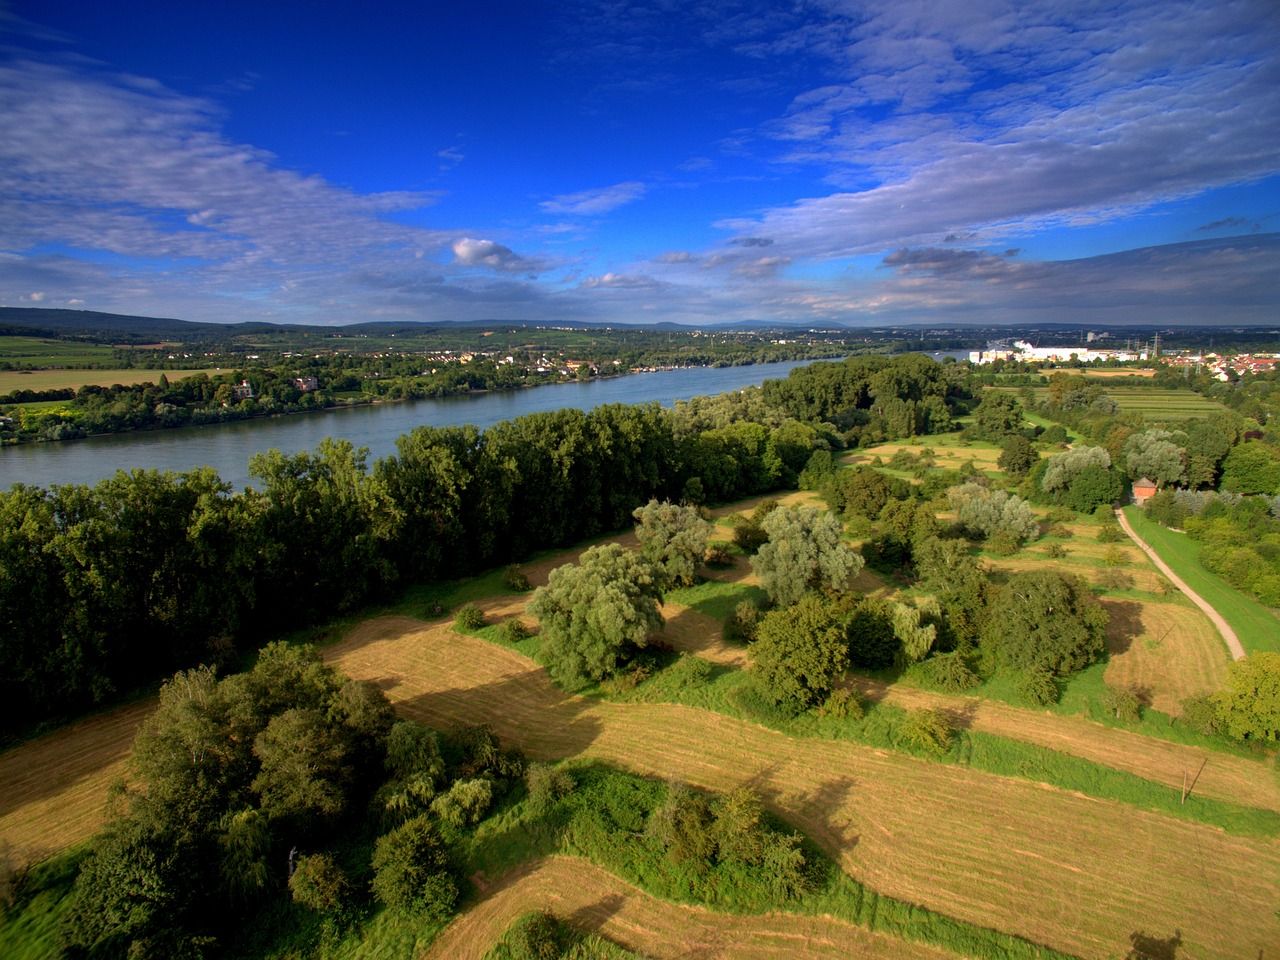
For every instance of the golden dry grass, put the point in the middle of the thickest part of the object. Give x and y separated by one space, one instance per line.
55 787
1174 654
1111 374
1061 869
594 900
1226 776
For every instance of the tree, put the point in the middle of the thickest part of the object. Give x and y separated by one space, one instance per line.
800 652
1249 703
993 513
305 768
1157 455
1045 620
1064 466
318 883
595 611
411 870
806 550
1252 467
1081 478
673 539
1017 455
996 416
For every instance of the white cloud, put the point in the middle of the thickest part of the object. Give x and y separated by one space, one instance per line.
36 296
486 253
587 203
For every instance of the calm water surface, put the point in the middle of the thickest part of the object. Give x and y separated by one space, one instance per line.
227 447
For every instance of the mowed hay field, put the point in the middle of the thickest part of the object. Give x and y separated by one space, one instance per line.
578 891
1061 869
11 380
53 790
1157 640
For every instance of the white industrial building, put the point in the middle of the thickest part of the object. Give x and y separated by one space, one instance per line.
1024 351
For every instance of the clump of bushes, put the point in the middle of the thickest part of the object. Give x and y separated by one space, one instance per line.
930 731
469 617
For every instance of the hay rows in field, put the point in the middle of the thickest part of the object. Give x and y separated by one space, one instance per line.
1060 869
590 898
55 788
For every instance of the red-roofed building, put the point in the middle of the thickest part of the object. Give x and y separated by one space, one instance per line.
1143 490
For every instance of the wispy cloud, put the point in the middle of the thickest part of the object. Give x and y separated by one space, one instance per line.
123 165
1015 117
591 203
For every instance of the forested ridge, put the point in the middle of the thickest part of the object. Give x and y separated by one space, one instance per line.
108 588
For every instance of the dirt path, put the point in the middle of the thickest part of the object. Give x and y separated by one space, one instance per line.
1229 635
1058 868
595 901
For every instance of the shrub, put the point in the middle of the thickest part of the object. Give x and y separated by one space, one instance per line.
930 731
318 883
546 785
843 704
1055 551
1038 687
1123 703
1201 714
535 936
514 579
949 672
1110 534
740 627
469 617
1115 579
717 555
466 802
513 631
1113 556
411 870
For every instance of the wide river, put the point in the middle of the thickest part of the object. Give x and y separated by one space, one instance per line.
227 447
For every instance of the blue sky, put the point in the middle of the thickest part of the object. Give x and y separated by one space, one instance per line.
817 162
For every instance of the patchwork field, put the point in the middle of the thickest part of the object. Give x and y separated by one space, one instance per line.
1157 403
1060 869
41 352
11 380
596 901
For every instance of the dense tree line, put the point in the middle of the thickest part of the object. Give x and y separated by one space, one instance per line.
107 587
873 398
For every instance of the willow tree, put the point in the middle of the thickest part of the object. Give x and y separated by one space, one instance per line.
595 612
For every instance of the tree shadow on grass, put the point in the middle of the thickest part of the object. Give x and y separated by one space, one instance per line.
593 917
1144 946
1125 625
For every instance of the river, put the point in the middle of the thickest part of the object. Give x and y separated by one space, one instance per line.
227 447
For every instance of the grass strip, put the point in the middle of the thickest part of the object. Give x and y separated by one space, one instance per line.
731 692
1255 625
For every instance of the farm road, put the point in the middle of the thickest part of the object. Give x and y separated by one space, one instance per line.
1228 635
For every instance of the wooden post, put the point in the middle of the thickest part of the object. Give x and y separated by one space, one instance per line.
1184 785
